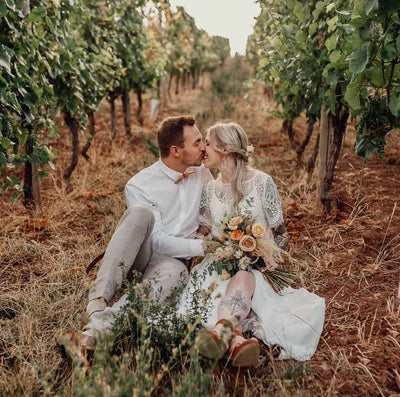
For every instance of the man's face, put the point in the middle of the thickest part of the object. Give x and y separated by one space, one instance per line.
193 146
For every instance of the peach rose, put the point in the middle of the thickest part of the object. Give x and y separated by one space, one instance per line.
236 235
234 222
247 243
258 230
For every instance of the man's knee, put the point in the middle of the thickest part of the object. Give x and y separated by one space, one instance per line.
140 216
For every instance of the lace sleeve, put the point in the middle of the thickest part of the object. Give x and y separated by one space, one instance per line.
271 203
205 213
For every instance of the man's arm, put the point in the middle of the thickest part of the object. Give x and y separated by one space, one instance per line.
161 241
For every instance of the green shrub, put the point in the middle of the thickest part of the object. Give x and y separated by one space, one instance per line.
149 349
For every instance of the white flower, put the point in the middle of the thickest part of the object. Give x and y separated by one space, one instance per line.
238 254
244 262
250 149
225 275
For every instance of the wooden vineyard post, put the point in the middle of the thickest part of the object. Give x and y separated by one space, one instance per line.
126 105
31 180
164 92
325 131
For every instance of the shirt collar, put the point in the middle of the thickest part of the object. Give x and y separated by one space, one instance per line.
169 171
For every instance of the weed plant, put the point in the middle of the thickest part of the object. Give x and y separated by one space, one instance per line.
149 350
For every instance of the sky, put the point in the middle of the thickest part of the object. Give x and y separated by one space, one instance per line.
233 19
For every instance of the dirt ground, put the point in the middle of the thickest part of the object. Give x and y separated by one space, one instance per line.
351 256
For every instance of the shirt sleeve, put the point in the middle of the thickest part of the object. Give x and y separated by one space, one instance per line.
161 241
272 203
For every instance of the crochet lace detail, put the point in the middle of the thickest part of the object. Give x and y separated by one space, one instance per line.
261 202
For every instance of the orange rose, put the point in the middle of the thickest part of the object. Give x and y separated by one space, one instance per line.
236 235
247 243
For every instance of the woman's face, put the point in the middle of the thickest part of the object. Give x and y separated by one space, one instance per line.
212 158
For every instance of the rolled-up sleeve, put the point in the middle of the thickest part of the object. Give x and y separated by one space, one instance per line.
161 241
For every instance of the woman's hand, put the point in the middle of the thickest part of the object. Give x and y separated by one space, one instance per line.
204 230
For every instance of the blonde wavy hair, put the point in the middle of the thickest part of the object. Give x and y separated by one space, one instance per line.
230 139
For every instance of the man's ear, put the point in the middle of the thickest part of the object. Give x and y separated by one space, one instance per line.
174 151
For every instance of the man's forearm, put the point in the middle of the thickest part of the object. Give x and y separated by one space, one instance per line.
177 247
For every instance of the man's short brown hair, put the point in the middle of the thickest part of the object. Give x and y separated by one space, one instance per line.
170 132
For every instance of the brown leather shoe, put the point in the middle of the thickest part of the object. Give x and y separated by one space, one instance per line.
209 344
246 353
72 347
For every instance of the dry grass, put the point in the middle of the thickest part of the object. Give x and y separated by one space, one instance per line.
352 257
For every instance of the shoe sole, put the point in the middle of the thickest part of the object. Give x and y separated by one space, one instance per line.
208 346
247 356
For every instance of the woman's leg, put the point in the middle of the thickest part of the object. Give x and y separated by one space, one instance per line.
236 304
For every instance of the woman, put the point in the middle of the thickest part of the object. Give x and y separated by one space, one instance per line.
292 319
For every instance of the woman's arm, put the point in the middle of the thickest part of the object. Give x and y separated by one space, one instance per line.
281 236
204 230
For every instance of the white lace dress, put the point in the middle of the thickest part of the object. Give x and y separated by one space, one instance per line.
293 319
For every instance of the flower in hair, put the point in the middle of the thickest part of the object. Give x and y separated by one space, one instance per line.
249 150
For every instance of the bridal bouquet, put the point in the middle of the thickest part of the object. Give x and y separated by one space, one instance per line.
244 245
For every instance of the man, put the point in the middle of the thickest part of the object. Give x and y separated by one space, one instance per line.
155 235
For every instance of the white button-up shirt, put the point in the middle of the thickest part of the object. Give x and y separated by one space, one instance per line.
175 207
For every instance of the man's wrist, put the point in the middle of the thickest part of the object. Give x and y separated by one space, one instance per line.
196 246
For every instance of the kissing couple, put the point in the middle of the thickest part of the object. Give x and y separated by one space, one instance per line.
169 203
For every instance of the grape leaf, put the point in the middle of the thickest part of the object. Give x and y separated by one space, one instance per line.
366 30
358 60
371 6
388 52
352 95
331 41
394 105
364 146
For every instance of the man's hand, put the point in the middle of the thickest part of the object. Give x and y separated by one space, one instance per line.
210 246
